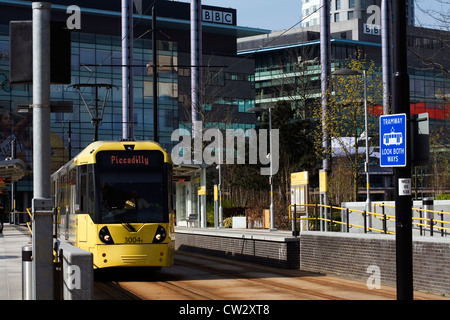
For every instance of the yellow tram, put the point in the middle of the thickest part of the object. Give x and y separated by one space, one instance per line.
114 199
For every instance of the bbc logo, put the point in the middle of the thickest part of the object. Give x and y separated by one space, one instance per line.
372 29
218 16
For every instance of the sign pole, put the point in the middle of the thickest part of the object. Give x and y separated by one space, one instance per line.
42 201
402 175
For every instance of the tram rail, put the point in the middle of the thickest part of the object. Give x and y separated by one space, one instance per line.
201 277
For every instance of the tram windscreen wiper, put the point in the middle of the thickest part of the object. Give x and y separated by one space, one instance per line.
130 227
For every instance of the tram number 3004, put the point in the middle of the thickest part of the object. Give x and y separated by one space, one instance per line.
133 240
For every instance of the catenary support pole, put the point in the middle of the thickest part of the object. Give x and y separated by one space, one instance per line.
196 61
325 62
386 52
155 77
127 73
42 202
403 202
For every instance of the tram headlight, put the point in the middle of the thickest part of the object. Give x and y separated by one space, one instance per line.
105 236
160 234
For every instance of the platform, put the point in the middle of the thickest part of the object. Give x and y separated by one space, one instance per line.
271 248
12 240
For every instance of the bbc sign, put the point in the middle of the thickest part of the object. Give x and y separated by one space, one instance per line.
372 29
215 16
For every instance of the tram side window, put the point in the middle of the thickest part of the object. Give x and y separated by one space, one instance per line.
86 189
71 192
82 188
90 190
62 189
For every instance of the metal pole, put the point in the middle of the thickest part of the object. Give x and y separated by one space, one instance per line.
130 70
220 184
125 70
386 51
368 202
127 73
203 199
42 202
428 204
272 213
96 120
14 219
155 78
403 203
70 140
27 272
325 62
216 206
196 58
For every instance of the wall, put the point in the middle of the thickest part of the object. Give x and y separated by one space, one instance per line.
282 253
350 255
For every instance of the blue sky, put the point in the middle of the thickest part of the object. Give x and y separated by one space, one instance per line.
264 14
283 14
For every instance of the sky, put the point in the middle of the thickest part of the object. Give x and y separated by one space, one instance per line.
283 14
263 14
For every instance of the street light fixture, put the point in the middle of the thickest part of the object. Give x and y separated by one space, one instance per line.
349 72
272 215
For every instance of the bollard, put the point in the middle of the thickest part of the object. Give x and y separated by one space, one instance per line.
428 204
27 272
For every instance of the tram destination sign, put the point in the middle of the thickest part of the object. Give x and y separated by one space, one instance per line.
393 140
127 159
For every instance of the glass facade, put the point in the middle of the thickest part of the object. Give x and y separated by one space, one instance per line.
96 80
292 72
287 74
96 59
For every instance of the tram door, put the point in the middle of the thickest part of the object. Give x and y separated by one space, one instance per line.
71 221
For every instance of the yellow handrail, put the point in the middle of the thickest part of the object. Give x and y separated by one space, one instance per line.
375 214
31 218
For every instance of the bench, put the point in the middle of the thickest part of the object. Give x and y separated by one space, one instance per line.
192 219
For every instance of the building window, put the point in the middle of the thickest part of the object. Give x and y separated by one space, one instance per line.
350 15
336 17
338 4
351 4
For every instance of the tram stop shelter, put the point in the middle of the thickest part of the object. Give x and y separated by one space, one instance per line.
13 169
190 195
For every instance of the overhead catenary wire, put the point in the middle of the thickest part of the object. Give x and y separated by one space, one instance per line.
214 76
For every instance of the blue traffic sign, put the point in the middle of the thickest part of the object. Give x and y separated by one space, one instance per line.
393 140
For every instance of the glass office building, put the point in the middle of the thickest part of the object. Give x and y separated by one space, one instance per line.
96 59
287 68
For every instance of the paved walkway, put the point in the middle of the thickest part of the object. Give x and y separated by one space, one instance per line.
12 240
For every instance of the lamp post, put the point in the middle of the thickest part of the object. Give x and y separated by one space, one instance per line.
272 214
220 186
349 72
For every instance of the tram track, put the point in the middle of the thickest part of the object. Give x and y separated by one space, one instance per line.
257 277
200 277
110 290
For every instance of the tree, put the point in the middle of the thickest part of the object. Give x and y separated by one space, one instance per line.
296 146
431 44
345 116
439 163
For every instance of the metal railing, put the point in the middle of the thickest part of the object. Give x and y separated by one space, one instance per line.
31 219
29 214
322 217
